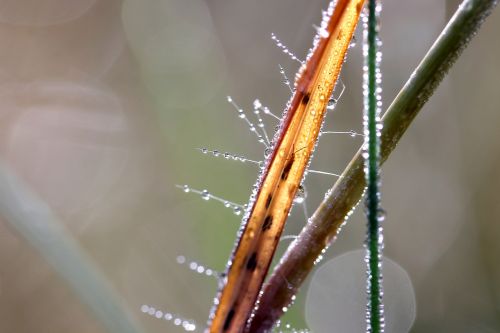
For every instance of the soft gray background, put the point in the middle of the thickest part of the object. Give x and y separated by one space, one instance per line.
102 105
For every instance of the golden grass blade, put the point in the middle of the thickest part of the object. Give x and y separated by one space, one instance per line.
294 145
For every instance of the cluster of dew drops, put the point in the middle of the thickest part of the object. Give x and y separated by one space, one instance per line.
186 324
238 209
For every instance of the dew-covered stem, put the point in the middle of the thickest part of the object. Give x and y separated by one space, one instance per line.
371 123
325 223
286 162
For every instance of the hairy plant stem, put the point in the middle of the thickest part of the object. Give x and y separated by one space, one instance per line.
324 225
371 120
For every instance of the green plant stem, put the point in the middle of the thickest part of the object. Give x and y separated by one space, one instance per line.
372 173
325 223
34 220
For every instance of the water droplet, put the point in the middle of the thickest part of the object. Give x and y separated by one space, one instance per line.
186 188
205 195
353 41
189 327
300 197
352 134
381 215
331 104
237 210
257 104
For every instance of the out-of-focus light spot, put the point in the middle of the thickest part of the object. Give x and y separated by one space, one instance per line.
176 46
68 140
336 299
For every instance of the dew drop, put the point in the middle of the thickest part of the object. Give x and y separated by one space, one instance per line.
237 210
205 195
300 197
186 188
189 327
257 104
381 215
353 42
331 104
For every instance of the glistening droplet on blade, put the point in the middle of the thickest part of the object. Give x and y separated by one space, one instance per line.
287 159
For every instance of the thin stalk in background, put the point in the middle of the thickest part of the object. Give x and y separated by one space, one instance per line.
35 221
325 223
371 121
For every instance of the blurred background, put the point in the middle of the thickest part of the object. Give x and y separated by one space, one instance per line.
103 102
